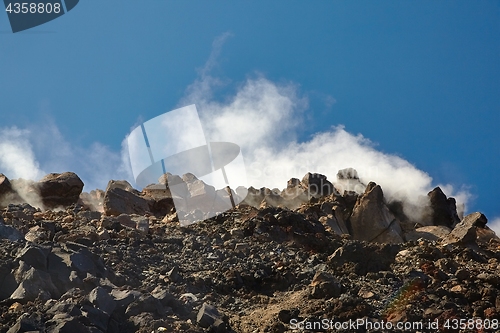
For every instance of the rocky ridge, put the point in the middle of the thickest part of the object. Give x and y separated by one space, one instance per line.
119 261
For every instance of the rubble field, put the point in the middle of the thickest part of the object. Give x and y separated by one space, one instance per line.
304 259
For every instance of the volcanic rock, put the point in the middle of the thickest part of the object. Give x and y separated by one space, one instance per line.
8 232
159 198
348 180
318 185
466 231
254 197
175 185
256 268
325 286
444 210
207 315
100 298
431 233
35 284
5 186
122 198
372 221
35 256
93 200
294 195
60 189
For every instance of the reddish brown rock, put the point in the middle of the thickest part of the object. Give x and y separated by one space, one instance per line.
60 189
122 198
317 184
466 231
371 220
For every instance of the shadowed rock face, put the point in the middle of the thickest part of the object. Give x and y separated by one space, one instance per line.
443 209
371 220
60 189
317 184
465 232
5 186
120 197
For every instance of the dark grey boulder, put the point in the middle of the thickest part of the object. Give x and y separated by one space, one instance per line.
35 256
207 315
35 284
9 232
102 300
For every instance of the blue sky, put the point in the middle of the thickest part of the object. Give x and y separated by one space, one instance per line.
420 79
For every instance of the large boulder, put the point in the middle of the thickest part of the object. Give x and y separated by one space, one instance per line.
294 195
431 233
8 193
159 199
466 231
5 186
371 220
60 189
35 284
318 185
348 181
9 232
443 209
122 198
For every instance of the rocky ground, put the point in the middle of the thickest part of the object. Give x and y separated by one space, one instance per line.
120 261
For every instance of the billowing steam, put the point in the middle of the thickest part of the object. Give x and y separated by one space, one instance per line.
30 154
495 225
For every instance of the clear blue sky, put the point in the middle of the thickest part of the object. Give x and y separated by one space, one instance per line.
420 78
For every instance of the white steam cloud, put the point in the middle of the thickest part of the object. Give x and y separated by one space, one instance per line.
17 159
262 117
29 153
495 225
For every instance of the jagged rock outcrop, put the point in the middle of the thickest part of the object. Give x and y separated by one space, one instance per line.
348 181
7 192
294 194
60 189
5 186
8 232
159 199
465 232
443 209
122 198
93 200
317 185
372 221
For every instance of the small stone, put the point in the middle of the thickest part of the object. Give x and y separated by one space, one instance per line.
207 315
365 294
242 247
173 274
237 233
462 274
16 307
325 286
